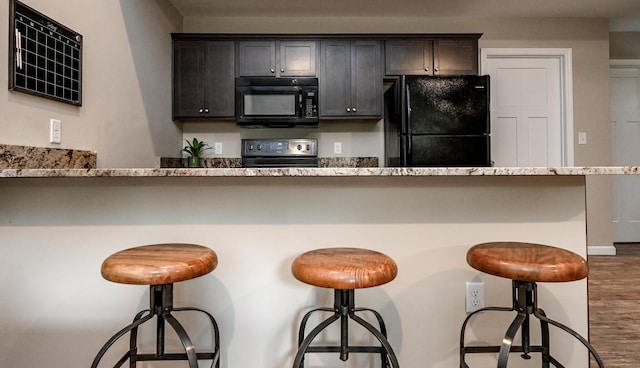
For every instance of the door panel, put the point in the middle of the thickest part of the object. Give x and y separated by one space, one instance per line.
335 84
625 133
526 110
366 78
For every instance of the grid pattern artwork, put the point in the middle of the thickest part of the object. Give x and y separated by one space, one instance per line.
47 57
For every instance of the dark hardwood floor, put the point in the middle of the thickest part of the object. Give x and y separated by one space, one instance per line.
614 306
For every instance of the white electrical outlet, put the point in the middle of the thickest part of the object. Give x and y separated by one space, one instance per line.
337 147
55 130
474 296
217 148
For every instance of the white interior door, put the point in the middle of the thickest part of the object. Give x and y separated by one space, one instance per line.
529 120
625 135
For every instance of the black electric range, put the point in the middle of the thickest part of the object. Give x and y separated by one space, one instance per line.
281 152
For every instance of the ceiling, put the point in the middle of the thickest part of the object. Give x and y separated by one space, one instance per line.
611 9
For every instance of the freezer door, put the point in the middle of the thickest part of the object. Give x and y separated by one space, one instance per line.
447 105
447 150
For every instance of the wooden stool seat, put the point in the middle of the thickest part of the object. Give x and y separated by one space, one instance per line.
527 262
159 264
344 268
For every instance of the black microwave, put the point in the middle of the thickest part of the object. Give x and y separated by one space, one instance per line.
277 102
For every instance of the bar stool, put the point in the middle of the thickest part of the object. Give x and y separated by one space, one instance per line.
525 264
344 270
159 266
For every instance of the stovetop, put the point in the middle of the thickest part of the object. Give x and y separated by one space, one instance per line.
280 152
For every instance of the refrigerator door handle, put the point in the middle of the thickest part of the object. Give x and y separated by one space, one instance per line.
408 107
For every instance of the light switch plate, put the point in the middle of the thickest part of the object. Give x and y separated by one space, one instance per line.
55 130
582 138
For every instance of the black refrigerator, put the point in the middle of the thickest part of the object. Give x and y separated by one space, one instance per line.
437 121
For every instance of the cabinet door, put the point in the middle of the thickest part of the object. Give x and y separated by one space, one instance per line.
411 57
257 58
297 59
456 56
366 79
188 81
220 79
335 81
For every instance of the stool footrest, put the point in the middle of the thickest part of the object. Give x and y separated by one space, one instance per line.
175 356
338 348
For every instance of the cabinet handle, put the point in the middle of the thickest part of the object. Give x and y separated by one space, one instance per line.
273 70
353 109
206 111
348 109
282 70
426 69
436 69
201 111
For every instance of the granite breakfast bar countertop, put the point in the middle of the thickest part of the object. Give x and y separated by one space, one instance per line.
321 172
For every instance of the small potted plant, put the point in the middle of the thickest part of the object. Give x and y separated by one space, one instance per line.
194 149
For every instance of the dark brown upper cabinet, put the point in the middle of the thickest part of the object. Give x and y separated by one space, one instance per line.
349 68
350 79
294 58
203 79
446 56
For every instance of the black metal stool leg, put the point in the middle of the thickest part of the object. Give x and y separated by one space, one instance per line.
115 337
304 346
475 349
382 329
570 331
303 323
507 342
133 342
215 356
546 347
345 302
381 338
184 339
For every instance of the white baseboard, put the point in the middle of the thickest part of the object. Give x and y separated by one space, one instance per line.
601 250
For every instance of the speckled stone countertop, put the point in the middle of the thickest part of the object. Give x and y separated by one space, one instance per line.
27 157
322 172
34 162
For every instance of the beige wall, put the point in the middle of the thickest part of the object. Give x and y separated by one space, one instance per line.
625 45
126 112
126 115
